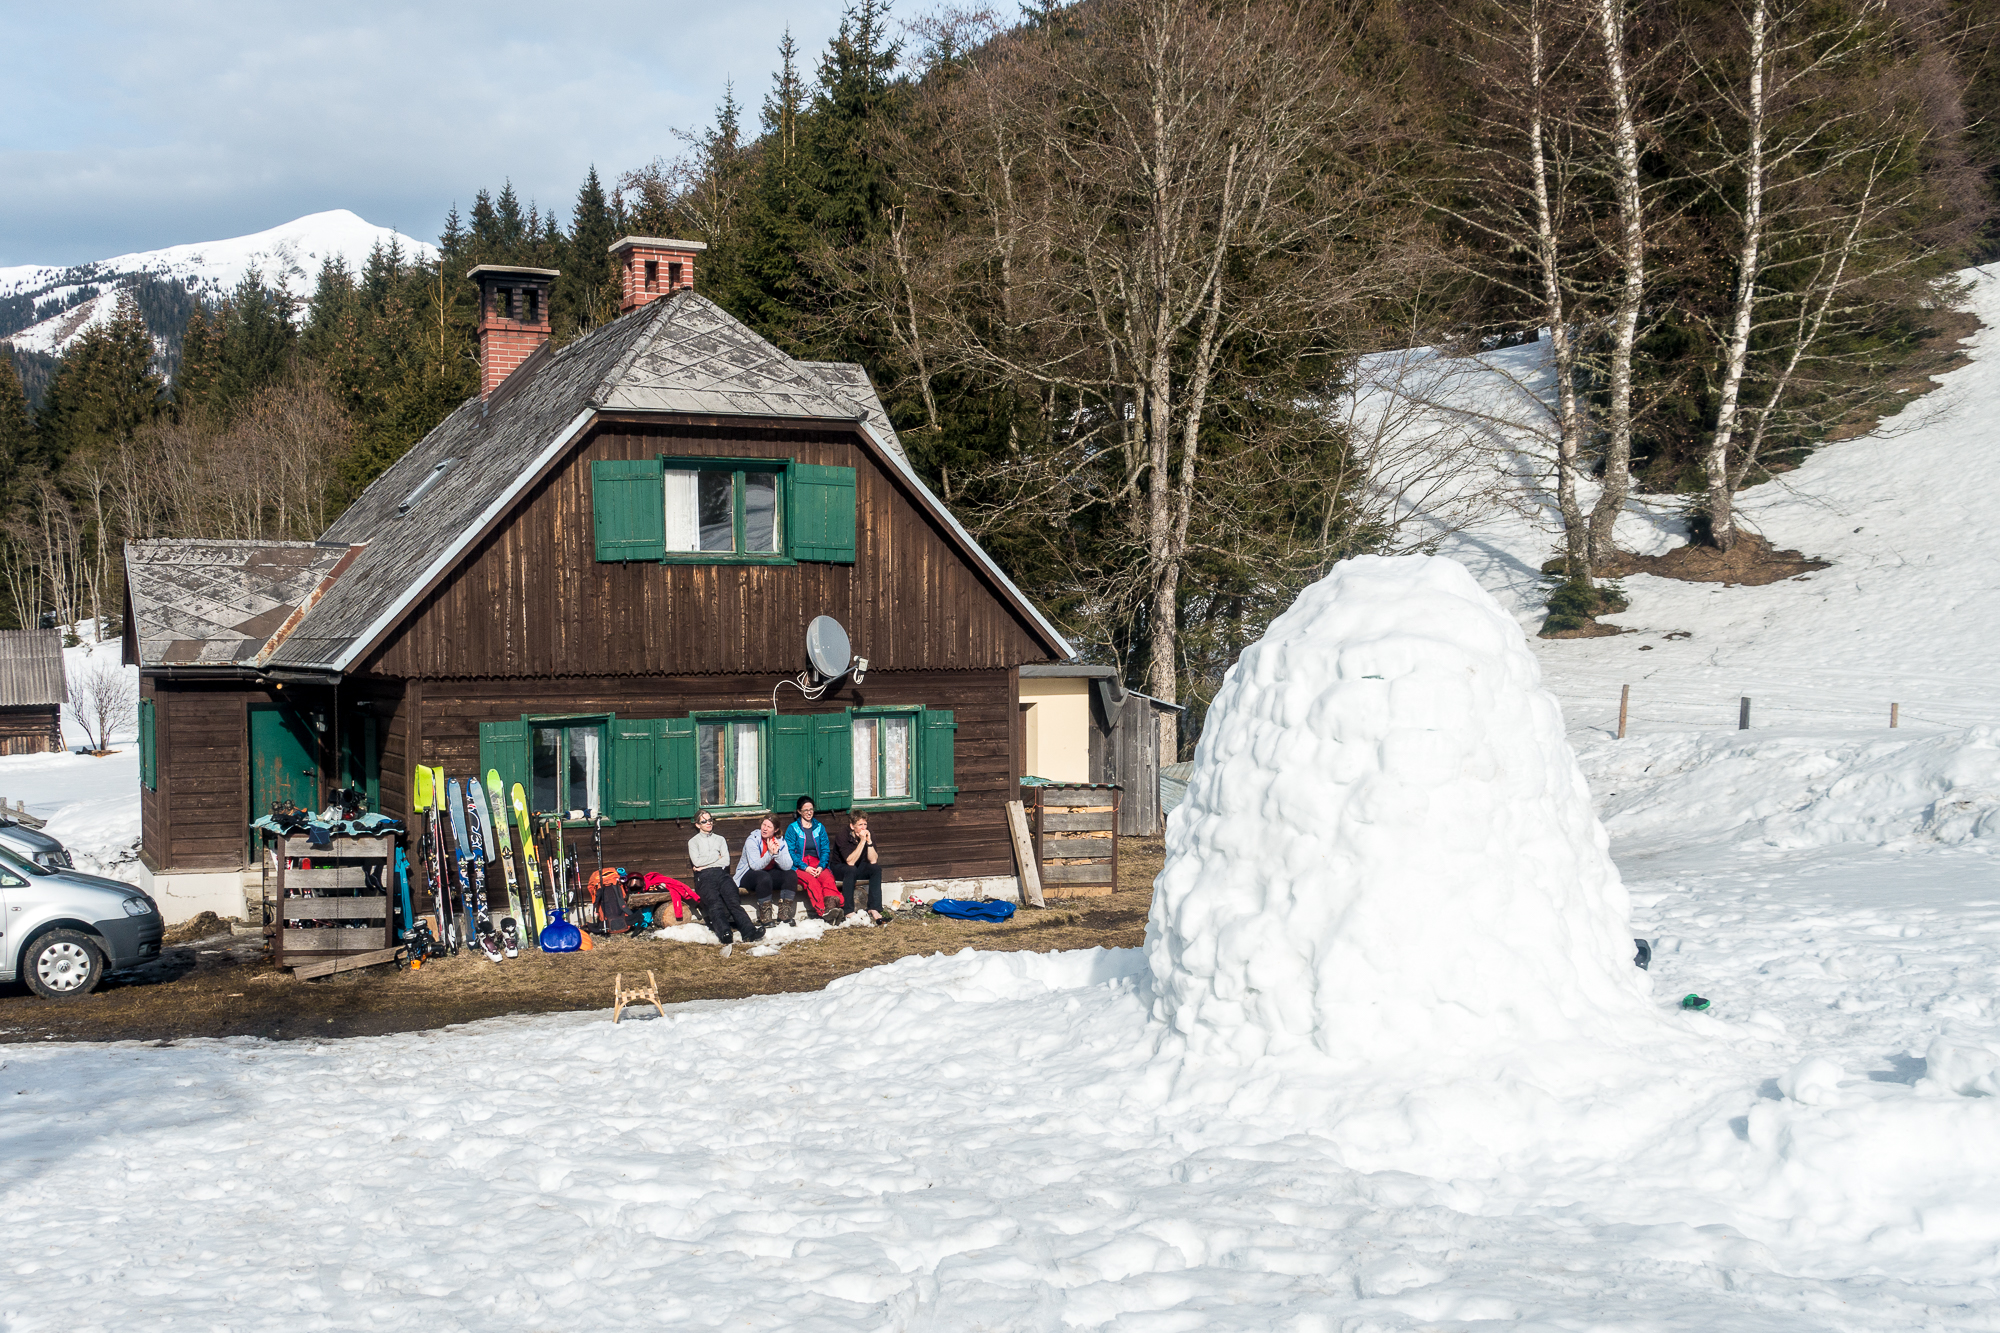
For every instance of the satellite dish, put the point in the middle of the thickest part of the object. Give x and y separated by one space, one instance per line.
827 647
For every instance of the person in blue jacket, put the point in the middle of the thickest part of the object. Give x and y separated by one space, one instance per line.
812 859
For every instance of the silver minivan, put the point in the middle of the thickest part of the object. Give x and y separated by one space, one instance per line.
61 930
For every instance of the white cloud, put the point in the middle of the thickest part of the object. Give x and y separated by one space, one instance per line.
139 126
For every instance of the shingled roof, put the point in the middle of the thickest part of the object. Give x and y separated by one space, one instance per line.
683 354
31 668
206 603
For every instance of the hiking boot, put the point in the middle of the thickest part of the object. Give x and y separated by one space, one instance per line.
835 914
767 912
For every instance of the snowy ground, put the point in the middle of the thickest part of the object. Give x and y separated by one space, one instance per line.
1011 1142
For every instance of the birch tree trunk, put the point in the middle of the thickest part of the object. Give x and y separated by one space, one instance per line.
1631 293
1555 305
1736 350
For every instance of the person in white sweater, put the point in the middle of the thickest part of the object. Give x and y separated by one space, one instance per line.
764 870
708 853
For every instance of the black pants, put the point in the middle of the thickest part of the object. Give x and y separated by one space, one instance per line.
761 884
722 907
851 878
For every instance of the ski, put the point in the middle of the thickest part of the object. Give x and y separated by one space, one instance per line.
503 840
455 808
475 832
526 826
432 837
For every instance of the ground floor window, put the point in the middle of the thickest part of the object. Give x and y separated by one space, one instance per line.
730 757
568 760
884 760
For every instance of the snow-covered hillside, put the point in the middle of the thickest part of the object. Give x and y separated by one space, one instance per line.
287 256
1906 614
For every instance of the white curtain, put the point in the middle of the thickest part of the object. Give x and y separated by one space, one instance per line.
683 511
864 758
748 766
896 757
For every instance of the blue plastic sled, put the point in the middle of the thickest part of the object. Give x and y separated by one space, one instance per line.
965 911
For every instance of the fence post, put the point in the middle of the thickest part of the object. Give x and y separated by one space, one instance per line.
1624 702
1894 710
1743 714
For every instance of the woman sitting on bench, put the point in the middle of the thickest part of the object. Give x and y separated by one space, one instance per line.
764 870
812 855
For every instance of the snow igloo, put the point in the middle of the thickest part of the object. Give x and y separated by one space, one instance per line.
1386 850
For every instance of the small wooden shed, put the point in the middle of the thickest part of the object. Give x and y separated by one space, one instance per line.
32 691
1082 726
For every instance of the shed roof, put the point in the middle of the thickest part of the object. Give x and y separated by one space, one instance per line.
222 603
681 355
31 668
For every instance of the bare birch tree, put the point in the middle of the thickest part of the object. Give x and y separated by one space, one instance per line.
1815 183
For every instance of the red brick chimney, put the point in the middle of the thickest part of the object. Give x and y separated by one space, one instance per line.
513 318
651 268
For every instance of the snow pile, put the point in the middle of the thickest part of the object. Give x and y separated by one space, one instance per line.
1804 789
695 931
1387 850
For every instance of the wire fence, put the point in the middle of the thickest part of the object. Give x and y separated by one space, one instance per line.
1594 706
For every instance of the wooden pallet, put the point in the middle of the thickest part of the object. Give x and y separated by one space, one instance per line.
339 876
1076 840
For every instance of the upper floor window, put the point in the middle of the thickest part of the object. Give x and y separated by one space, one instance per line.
733 512
722 510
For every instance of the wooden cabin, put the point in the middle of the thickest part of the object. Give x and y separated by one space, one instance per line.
32 691
596 577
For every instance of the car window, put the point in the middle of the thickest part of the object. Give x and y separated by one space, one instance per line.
10 880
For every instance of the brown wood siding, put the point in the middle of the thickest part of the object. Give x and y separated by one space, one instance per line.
964 839
154 829
531 600
35 729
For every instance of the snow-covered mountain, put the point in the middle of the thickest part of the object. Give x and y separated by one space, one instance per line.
44 308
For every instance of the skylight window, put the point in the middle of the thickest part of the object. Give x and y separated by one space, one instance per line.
416 494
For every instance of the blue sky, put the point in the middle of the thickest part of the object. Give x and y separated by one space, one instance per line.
135 126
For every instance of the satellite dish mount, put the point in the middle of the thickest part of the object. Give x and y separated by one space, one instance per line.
831 656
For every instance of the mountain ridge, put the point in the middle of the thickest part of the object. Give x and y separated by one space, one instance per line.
45 308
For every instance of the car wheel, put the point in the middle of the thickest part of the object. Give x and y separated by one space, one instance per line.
63 965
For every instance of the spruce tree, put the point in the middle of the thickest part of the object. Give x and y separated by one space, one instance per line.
200 372
258 339
104 390
17 432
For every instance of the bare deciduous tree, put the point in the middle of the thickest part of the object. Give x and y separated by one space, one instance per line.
1159 224
103 697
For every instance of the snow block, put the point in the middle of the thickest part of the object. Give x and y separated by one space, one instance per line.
1387 849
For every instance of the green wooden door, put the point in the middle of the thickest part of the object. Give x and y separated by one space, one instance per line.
282 767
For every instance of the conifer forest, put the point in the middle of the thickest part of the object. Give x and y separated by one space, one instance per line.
1117 265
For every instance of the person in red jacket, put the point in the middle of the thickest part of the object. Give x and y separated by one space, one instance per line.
812 855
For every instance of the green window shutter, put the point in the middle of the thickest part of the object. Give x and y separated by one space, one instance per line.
673 768
633 767
628 509
820 519
940 773
791 761
833 760
503 746
149 755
